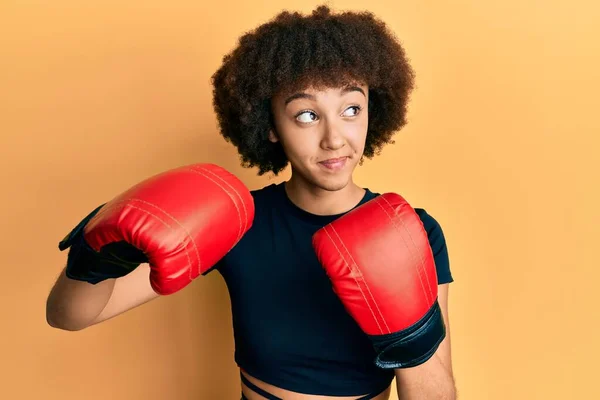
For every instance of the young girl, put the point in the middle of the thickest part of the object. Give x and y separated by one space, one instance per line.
318 93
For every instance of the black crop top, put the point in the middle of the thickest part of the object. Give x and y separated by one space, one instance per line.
290 328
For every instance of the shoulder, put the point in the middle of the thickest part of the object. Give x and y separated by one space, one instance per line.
431 225
266 196
266 192
265 200
437 242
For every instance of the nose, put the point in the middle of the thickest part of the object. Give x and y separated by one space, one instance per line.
332 138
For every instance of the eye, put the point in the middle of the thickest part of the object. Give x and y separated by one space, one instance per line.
306 116
356 111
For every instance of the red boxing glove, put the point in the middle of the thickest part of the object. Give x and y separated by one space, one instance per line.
183 221
381 266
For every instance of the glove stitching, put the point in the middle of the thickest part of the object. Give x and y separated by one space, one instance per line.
356 281
203 172
420 265
126 202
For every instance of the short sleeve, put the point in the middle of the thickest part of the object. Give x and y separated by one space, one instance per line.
437 241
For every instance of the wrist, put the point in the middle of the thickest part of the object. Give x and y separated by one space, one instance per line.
114 260
412 346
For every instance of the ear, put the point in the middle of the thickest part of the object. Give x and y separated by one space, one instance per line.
273 136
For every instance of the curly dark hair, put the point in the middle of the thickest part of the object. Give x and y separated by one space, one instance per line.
293 52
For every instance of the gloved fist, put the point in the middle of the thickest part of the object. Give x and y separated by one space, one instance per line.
381 266
181 222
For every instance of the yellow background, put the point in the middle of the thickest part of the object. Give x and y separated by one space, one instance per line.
501 147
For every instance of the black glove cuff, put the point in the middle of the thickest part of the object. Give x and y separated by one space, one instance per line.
85 264
77 233
412 346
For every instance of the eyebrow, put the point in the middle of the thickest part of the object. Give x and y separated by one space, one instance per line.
303 95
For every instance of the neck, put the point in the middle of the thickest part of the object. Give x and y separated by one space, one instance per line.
318 201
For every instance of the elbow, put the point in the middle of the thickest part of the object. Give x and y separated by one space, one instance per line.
62 322
451 393
64 325
60 325
56 323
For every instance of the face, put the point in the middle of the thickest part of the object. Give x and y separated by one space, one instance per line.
323 133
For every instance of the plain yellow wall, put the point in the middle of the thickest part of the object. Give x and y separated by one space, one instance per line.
501 147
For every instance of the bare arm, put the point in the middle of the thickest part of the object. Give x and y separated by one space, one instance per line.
434 379
74 305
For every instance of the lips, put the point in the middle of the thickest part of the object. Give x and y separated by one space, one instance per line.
334 163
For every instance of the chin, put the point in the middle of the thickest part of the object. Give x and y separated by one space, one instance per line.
332 184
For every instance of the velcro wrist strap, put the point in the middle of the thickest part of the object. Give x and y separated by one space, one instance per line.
412 346
114 260
77 232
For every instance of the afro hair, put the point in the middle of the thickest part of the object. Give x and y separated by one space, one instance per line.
292 52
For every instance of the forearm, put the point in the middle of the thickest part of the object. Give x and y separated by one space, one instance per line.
429 381
73 305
